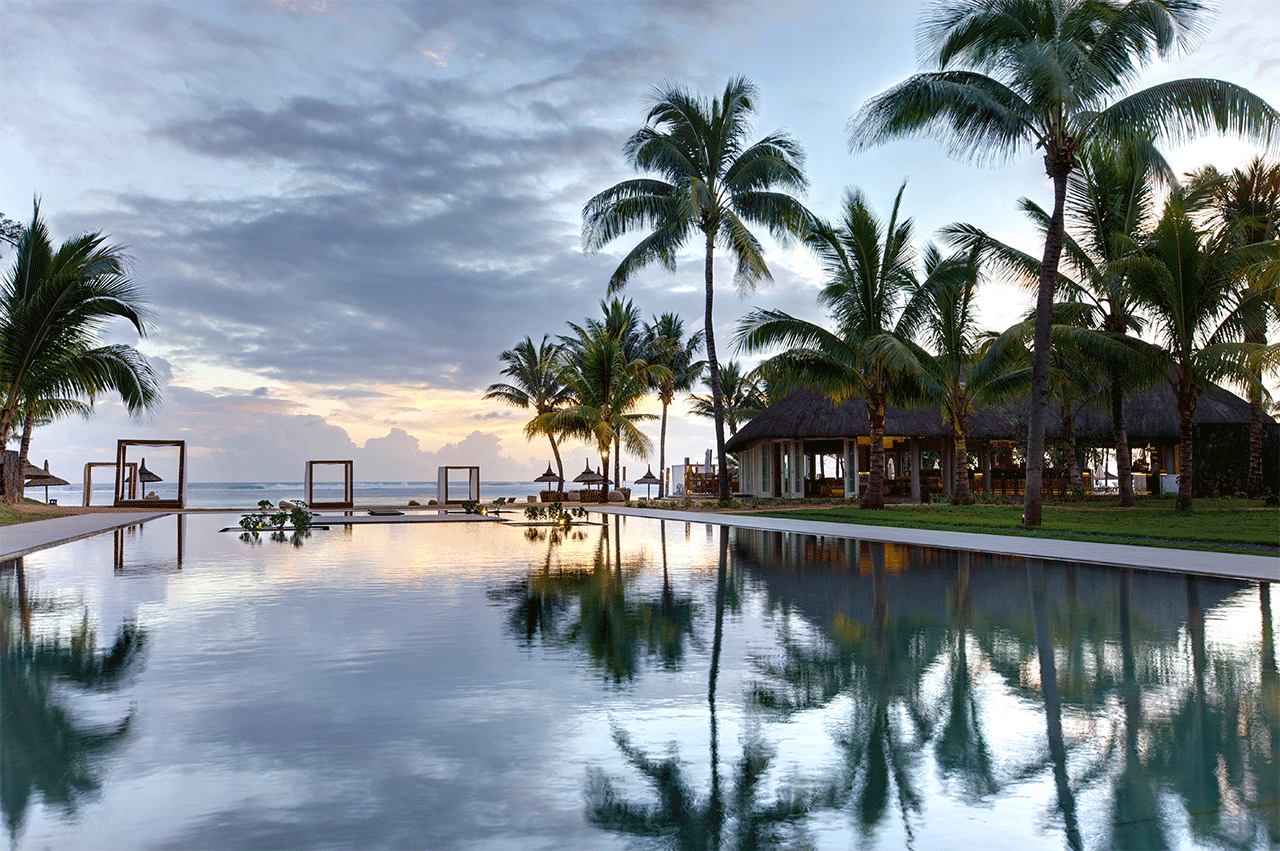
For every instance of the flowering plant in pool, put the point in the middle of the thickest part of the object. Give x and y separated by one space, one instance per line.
556 513
265 518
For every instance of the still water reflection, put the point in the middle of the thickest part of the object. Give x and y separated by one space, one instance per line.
628 684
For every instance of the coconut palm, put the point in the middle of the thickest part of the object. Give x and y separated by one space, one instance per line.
1110 203
606 387
622 321
869 351
535 383
1187 281
1014 75
52 306
1245 209
711 181
944 301
742 398
667 346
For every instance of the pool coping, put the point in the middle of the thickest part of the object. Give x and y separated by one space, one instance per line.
1259 568
19 539
22 538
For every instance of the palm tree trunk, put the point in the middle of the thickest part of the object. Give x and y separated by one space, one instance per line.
1187 398
662 454
1069 440
28 426
963 494
617 461
555 450
717 396
1124 465
874 495
1058 165
1257 334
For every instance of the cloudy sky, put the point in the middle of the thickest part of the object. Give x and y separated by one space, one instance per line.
342 212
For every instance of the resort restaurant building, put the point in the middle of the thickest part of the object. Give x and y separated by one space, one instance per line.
806 446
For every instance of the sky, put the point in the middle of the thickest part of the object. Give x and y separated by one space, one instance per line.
342 212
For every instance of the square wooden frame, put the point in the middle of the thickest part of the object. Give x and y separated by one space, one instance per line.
442 485
88 479
132 501
348 484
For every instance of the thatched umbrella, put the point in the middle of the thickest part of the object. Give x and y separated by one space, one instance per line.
648 479
145 475
36 477
549 476
587 477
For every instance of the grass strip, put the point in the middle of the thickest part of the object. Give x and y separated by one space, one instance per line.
1212 529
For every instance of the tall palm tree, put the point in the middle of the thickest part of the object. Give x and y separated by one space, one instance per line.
622 321
741 397
535 383
945 303
606 387
667 346
1245 208
1111 203
1187 281
1052 74
711 181
52 306
869 351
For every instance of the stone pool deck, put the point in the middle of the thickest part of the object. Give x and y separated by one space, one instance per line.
1260 567
22 538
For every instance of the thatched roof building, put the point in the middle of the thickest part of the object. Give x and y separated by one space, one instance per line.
779 449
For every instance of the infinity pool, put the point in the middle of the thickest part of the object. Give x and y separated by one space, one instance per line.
637 684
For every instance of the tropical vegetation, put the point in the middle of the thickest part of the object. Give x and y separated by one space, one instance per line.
1053 75
53 305
711 181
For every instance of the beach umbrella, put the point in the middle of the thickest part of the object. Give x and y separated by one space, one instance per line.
648 479
587 477
35 477
549 476
145 475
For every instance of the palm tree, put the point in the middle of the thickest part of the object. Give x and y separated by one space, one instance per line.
535 383
1245 208
712 181
1111 203
52 305
868 268
606 388
622 321
1188 283
741 397
944 301
667 346
1051 75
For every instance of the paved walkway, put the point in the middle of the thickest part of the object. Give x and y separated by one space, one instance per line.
21 538
1259 567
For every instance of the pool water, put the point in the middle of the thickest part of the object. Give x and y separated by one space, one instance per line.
627 684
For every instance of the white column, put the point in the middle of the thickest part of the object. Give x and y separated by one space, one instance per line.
848 481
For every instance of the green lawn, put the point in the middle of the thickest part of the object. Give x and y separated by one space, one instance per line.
1214 525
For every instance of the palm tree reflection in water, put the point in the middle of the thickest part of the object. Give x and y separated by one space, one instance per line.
44 749
681 816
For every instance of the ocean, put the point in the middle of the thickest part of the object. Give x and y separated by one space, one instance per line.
245 495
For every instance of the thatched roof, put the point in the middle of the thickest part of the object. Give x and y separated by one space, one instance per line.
1151 415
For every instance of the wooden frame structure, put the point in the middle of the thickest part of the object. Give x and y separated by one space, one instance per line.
88 479
348 484
442 485
122 464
